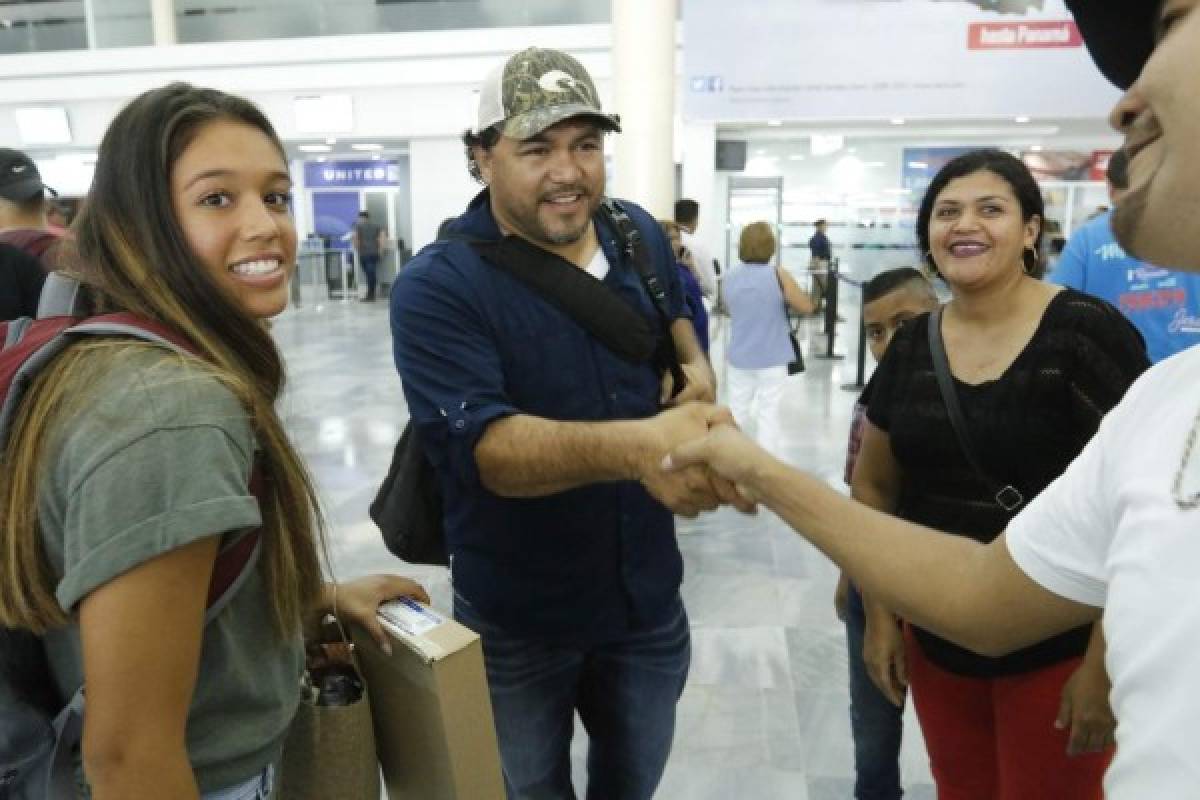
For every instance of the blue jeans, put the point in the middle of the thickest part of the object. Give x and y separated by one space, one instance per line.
625 692
877 725
370 267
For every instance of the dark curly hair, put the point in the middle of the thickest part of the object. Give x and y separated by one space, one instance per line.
1013 172
485 139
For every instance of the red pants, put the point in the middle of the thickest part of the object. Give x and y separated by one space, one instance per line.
994 738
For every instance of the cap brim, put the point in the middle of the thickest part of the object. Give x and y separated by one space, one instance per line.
1119 34
531 123
24 190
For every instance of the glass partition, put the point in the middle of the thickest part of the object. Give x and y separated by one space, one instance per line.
219 20
28 26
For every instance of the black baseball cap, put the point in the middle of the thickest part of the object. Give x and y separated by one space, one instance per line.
1119 34
19 177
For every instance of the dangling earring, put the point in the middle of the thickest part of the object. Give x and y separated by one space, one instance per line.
1026 265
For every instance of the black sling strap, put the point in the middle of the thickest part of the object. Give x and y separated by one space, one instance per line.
1007 496
593 305
598 310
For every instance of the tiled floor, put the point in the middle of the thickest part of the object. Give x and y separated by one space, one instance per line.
764 715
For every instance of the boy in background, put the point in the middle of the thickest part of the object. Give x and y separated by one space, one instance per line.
890 299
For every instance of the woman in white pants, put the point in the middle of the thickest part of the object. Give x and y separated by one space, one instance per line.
758 294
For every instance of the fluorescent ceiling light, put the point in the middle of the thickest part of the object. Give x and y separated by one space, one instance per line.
331 140
361 146
314 148
324 113
774 123
760 152
375 157
43 125
795 157
897 120
1037 148
874 164
917 165
1021 120
897 191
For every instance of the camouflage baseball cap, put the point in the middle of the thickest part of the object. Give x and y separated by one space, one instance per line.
535 89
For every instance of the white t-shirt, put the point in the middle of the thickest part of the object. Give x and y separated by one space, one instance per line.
598 267
705 273
1109 533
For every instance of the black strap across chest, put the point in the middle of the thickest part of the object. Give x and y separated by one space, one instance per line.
1006 496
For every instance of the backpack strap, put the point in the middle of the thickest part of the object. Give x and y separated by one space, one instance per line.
633 244
48 341
61 296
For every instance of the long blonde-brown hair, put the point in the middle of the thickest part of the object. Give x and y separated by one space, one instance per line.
131 255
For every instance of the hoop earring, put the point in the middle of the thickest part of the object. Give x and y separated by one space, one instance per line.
1025 265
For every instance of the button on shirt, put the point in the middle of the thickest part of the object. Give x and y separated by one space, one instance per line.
473 344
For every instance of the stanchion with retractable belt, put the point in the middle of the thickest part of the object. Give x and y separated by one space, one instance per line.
860 373
831 315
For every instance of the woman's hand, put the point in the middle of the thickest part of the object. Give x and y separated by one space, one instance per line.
883 653
728 452
358 601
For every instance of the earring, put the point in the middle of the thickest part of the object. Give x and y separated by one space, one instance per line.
1029 266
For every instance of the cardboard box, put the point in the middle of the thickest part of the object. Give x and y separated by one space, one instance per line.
433 716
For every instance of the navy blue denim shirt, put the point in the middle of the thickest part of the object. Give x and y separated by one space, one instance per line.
472 344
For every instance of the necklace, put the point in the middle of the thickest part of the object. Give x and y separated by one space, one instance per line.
1186 501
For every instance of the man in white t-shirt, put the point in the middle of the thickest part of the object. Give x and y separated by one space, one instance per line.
1117 536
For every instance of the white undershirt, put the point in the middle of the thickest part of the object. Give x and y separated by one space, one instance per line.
598 267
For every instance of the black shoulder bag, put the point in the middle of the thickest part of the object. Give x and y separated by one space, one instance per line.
408 507
1006 496
796 365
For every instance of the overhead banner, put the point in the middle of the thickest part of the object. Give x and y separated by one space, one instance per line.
872 59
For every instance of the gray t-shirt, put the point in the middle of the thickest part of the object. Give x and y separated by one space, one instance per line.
158 455
368 237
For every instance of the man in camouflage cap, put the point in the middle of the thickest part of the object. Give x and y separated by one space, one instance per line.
548 445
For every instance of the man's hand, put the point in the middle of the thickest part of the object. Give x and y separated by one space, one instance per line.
883 653
728 452
1085 709
698 386
690 490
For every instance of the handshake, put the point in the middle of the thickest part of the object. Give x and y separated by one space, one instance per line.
692 458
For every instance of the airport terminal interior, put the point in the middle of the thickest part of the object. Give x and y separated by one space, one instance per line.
764 714
841 110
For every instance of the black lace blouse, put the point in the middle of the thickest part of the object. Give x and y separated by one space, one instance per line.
1026 427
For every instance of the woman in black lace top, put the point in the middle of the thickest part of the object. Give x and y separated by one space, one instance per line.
1035 367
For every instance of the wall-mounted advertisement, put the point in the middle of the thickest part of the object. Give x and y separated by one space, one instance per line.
880 59
1067 165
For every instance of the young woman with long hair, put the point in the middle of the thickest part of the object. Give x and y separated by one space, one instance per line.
128 465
